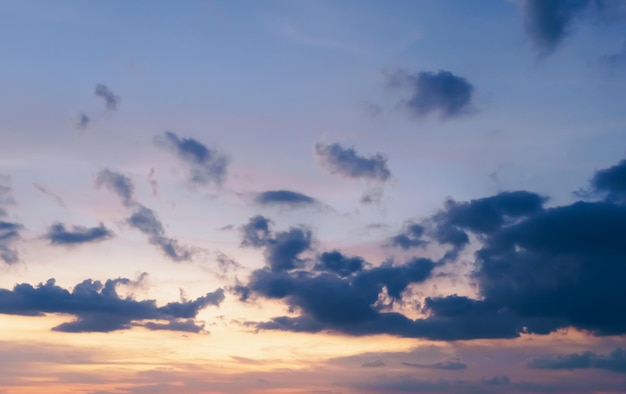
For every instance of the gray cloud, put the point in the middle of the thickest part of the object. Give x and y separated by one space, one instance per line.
9 231
145 220
614 361
206 165
442 92
285 198
59 235
346 162
443 365
97 307
110 99
118 183
83 121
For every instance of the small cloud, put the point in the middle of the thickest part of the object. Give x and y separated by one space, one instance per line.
59 235
47 192
9 234
547 23
82 122
111 100
615 361
372 195
442 92
118 183
206 165
285 198
616 59
347 163
145 220
444 365
373 364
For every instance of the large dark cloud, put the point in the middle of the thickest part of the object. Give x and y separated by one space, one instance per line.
285 198
111 100
145 220
536 270
346 162
442 92
206 165
97 307
59 235
614 361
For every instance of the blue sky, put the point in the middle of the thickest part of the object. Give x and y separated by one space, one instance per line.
280 196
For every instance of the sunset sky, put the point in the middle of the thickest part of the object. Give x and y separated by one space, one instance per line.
312 196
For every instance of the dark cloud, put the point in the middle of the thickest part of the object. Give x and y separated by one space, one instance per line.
145 220
410 237
612 182
282 249
346 162
111 99
547 22
9 234
615 361
59 235
118 183
339 264
97 307
256 232
206 165
442 92
285 198
188 325
537 270
444 365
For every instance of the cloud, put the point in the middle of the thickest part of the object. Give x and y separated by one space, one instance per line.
614 361
59 235
111 100
83 121
347 163
339 264
442 92
286 198
97 307
444 365
206 165
372 195
547 23
9 231
118 183
410 237
616 59
256 232
612 182
142 218
47 192
9 234
145 220
282 249
373 364
536 270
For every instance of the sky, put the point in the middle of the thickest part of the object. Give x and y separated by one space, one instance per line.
416 196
